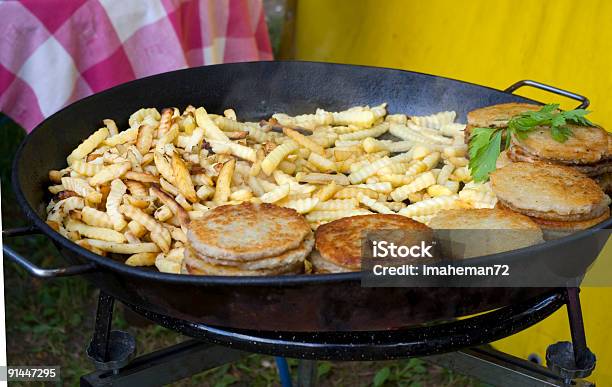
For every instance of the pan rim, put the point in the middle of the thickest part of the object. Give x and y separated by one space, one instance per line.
282 280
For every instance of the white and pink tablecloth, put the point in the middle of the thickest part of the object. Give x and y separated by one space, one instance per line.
54 52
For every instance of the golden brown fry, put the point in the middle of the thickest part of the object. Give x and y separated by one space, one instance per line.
145 138
182 179
224 181
141 177
165 121
163 166
141 259
136 188
168 200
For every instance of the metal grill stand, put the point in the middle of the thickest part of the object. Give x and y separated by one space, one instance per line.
443 344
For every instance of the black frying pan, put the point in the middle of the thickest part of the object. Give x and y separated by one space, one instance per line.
334 302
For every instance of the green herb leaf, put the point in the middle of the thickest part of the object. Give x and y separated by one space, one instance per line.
484 145
560 133
483 156
577 116
479 139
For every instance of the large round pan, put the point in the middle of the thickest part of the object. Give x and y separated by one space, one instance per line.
334 302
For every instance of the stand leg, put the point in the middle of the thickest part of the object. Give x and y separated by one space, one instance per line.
104 317
574 314
307 373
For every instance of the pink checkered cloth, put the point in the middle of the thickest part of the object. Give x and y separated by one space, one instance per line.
54 52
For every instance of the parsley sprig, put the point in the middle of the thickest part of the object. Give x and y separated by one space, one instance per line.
485 143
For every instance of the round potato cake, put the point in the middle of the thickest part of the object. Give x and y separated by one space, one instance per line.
586 145
287 258
247 231
548 191
500 230
340 241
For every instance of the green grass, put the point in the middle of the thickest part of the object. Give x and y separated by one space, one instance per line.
50 322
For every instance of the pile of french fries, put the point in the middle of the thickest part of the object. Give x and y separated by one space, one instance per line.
135 191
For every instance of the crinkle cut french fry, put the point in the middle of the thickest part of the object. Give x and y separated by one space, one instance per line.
305 121
374 205
375 131
337 205
144 114
361 118
317 216
302 206
434 121
127 135
433 205
82 188
96 218
304 141
355 192
109 173
88 145
383 187
211 131
111 126
165 122
321 163
421 182
86 169
370 169
100 233
113 201
271 161
276 194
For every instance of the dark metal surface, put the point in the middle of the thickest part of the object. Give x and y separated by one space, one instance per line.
98 349
39 272
499 369
165 366
574 314
560 358
584 101
331 302
375 345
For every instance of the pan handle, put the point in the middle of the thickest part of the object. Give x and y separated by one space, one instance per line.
584 101
33 269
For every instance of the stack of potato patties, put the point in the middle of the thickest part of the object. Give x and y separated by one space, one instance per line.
558 198
588 149
248 240
495 116
339 243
